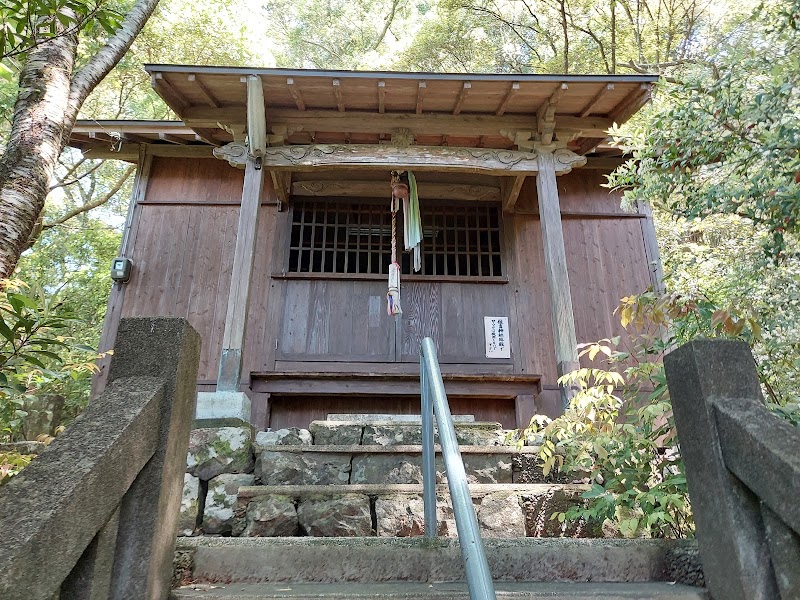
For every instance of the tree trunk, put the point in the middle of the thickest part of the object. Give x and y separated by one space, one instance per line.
34 143
48 102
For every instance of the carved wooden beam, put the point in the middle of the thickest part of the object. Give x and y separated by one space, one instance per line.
511 190
419 158
545 115
377 189
172 139
333 121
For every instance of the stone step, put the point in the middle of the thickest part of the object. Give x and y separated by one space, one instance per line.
345 433
449 591
354 464
375 560
503 511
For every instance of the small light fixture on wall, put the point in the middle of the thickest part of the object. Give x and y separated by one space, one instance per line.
121 268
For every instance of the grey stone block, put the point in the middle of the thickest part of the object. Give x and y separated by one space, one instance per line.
271 516
306 468
403 515
347 515
539 508
190 505
218 514
500 516
387 468
487 468
331 433
392 435
214 451
292 436
479 434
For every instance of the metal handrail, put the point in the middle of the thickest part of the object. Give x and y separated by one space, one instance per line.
434 402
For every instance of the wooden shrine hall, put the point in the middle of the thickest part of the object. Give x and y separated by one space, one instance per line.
263 216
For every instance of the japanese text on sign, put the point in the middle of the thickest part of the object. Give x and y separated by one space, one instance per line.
498 341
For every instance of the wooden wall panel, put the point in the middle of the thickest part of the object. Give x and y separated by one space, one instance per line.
194 180
581 191
183 255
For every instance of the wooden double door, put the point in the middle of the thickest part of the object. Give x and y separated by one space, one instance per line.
343 318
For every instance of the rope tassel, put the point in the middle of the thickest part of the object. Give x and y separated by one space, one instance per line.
393 295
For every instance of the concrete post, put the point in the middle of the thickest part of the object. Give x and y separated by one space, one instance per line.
730 531
166 348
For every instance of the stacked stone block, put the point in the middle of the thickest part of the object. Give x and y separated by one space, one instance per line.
354 479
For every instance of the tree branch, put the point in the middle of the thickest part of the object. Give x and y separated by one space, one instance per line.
94 203
87 78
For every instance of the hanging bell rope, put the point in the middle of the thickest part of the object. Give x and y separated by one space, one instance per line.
393 295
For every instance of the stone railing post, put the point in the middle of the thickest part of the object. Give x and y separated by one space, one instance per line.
167 348
730 532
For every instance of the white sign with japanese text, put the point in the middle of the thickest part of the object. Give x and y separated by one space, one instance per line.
496 334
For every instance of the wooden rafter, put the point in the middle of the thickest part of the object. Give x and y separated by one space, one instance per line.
586 145
282 184
332 121
512 91
381 96
631 103
337 91
420 96
167 91
212 101
296 95
604 91
135 138
172 139
482 142
462 96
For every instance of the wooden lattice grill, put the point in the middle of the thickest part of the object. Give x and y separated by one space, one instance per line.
345 236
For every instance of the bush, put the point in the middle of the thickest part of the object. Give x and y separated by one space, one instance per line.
618 433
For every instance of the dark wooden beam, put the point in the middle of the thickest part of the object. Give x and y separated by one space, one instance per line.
173 139
512 91
420 96
604 91
296 95
337 91
462 96
511 189
212 101
165 89
381 96
630 104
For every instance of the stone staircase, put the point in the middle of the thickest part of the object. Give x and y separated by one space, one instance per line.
336 511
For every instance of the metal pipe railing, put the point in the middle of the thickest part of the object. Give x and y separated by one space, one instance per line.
434 403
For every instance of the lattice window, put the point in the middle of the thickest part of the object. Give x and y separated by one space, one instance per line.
346 236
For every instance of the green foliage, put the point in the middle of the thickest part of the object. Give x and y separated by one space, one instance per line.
26 23
618 432
37 356
12 463
725 140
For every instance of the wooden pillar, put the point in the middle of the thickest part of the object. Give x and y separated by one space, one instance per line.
555 259
230 363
